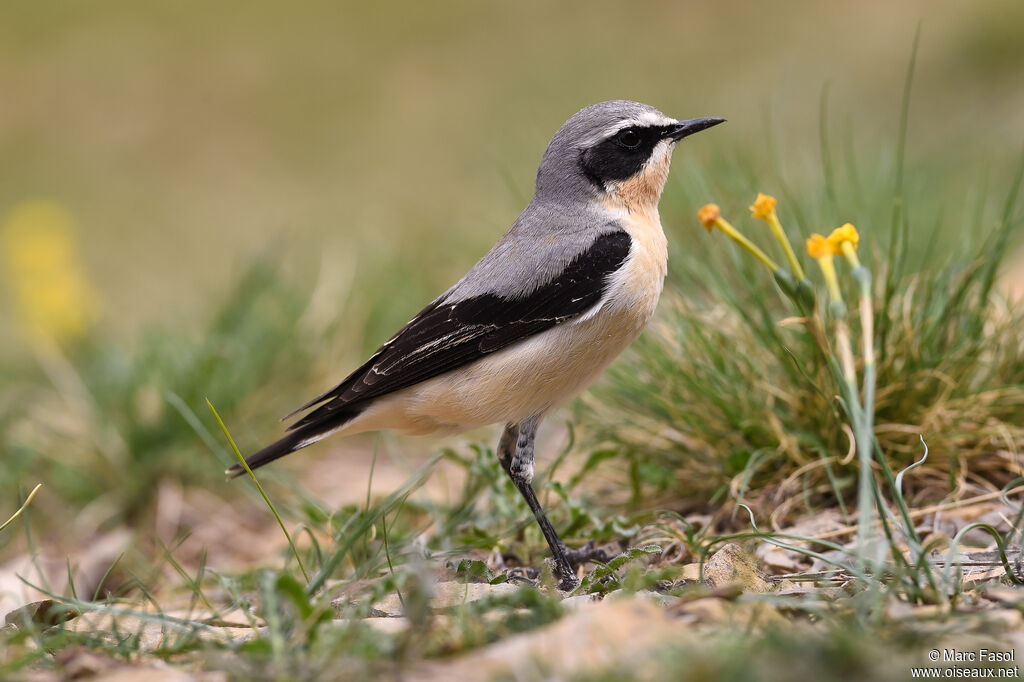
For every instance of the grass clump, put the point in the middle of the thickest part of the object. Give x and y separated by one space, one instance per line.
773 394
730 395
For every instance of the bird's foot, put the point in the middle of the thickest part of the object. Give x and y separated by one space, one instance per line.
585 554
566 577
566 574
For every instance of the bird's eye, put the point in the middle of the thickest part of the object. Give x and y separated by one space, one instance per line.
628 138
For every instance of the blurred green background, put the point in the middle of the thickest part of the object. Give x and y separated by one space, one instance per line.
396 142
370 154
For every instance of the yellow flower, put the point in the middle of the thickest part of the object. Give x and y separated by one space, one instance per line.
763 206
824 251
845 234
819 247
50 293
844 239
708 214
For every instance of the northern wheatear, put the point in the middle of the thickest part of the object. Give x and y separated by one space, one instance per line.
539 317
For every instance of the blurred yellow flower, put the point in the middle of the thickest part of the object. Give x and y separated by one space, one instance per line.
763 206
820 247
50 294
708 214
844 239
845 234
824 251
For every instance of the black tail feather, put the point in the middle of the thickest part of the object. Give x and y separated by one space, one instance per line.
296 440
286 445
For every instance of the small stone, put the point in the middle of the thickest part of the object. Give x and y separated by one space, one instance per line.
730 566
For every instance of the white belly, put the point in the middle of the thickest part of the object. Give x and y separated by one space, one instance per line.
538 374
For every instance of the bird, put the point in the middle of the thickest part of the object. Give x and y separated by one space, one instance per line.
537 319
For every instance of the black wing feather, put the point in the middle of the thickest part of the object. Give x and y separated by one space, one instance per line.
445 336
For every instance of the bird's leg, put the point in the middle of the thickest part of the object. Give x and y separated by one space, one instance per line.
519 465
507 446
575 557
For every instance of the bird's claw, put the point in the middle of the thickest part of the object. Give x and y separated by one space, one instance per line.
566 575
585 554
567 580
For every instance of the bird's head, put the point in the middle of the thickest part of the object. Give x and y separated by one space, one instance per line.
618 150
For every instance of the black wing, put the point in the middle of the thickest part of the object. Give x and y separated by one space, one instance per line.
445 336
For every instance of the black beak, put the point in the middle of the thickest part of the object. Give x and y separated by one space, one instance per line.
694 125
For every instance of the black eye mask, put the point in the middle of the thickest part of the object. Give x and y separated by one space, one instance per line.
622 155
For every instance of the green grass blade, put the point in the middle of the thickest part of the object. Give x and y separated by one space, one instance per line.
259 487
